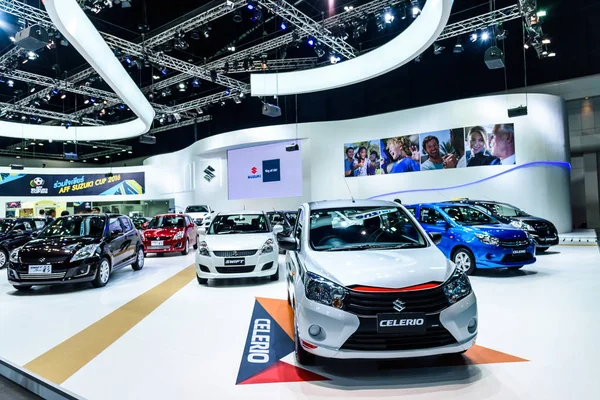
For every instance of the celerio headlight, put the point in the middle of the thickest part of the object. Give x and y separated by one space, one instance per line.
487 239
85 252
178 235
522 225
267 247
203 249
457 287
324 291
14 255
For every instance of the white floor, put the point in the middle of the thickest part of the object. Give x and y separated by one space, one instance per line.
191 346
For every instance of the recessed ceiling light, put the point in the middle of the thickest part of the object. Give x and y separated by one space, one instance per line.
107 156
95 159
40 144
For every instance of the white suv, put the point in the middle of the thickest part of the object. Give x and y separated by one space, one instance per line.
238 245
366 281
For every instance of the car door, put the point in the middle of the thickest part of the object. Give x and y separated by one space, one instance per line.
191 231
116 241
131 239
433 221
23 232
293 260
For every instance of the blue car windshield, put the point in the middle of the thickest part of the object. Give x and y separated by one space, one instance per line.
467 215
359 228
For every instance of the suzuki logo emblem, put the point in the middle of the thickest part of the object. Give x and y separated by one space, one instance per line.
399 305
42 259
254 170
234 253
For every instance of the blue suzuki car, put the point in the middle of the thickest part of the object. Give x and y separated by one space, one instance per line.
473 239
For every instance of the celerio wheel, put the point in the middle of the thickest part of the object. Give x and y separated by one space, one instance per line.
464 260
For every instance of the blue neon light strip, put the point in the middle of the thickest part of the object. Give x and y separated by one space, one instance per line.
560 164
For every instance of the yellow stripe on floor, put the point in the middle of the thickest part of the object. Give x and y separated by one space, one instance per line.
64 360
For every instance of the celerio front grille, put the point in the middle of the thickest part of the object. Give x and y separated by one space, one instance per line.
234 253
235 270
514 243
366 338
517 257
373 303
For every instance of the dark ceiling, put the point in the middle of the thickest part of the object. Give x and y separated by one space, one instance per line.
436 78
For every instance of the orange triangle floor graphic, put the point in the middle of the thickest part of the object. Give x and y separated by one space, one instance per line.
281 371
284 372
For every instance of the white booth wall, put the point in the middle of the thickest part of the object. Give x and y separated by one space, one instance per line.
540 188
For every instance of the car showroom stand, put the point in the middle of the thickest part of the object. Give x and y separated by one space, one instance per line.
579 236
34 384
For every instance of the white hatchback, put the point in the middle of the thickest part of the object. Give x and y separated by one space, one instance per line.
238 245
366 281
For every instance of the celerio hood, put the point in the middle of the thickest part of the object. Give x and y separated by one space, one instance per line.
501 231
392 269
239 241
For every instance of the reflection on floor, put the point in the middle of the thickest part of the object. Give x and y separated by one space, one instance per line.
190 343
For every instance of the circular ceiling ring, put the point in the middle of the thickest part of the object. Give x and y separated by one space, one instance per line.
402 49
73 24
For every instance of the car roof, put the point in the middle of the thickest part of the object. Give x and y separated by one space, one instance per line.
171 215
441 204
327 204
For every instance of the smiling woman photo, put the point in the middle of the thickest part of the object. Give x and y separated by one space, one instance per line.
478 153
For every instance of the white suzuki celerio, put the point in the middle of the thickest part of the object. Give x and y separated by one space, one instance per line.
366 281
238 245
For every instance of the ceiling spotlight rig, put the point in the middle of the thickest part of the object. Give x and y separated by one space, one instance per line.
534 36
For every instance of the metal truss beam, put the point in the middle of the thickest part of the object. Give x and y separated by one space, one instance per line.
188 122
277 65
44 113
309 27
481 22
194 22
27 154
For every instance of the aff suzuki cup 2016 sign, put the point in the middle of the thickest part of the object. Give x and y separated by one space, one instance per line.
129 183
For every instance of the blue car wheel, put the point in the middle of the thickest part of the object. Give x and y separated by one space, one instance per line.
464 260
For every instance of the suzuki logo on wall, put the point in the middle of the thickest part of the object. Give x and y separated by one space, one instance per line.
254 175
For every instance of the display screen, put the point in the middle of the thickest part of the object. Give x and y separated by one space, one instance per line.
13 204
264 172
472 146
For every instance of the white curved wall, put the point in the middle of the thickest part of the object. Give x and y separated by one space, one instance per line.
540 136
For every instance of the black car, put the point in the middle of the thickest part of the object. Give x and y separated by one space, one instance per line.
542 231
78 248
15 232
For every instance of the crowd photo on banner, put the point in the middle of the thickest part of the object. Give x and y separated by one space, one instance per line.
471 146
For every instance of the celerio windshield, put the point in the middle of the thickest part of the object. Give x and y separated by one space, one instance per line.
467 215
167 221
196 209
505 210
239 223
358 228
75 225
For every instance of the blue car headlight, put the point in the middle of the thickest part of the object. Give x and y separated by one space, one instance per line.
324 291
457 287
85 252
487 239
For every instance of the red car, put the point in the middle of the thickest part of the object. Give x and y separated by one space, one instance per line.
170 233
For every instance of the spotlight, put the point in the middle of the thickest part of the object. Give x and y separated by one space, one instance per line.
196 82
418 58
10 83
458 47
92 100
437 49
128 60
552 54
546 41
283 26
163 70
311 42
32 89
63 95
348 8
86 101
334 59
206 31
237 16
121 106
227 92
502 33
182 87
32 55
156 77
231 48
251 5
541 13
485 36
474 37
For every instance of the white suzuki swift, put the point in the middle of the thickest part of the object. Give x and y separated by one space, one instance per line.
238 245
366 281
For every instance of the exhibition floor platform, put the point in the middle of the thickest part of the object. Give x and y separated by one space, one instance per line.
157 334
